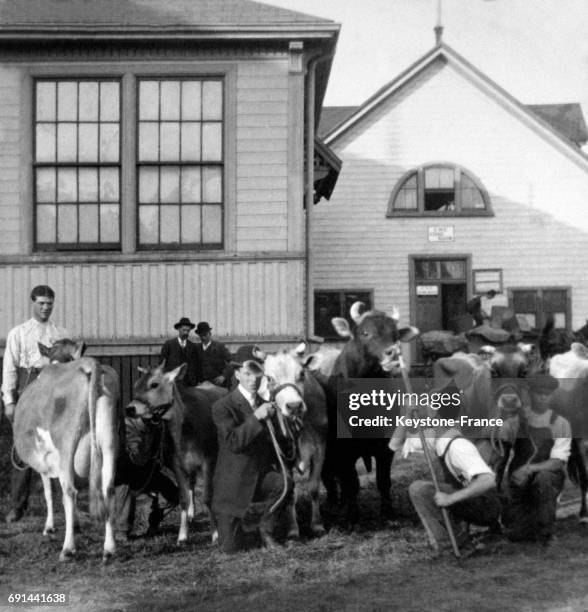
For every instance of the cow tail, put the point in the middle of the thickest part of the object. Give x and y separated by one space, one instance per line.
97 502
575 463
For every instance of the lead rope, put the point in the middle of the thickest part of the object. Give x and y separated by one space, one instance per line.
272 432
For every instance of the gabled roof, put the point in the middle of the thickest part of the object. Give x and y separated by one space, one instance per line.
27 16
336 122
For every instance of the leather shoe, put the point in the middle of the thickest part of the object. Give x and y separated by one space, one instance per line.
14 515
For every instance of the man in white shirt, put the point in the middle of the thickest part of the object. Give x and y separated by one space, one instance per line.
542 441
468 491
22 364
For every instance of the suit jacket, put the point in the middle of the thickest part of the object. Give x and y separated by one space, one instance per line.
246 454
215 361
175 356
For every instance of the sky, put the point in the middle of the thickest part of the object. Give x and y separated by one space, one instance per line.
537 50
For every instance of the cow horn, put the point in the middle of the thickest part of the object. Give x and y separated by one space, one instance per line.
258 353
394 314
355 311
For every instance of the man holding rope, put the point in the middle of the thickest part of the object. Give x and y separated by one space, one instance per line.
468 491
247 482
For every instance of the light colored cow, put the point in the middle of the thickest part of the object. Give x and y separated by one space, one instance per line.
66 427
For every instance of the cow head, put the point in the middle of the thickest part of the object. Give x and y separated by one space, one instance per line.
62 351
376 338
153 393
284 372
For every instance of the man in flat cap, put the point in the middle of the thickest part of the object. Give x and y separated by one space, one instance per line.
215 357
181 350
542 444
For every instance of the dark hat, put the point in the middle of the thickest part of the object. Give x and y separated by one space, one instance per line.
247 352
184 321
203 328
543 383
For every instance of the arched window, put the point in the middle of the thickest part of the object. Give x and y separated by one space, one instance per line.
439 189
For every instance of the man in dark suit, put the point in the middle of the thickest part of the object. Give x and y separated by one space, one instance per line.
181 350
215 357
246 481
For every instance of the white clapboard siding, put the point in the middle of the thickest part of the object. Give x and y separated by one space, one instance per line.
538 235
131 301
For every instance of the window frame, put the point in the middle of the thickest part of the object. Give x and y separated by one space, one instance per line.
342 295
420 211
77 247
138 164
540 313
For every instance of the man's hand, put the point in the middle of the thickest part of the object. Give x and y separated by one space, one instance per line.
519 477
9 412
443 499
264 411
219 380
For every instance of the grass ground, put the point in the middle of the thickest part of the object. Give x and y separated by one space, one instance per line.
378 566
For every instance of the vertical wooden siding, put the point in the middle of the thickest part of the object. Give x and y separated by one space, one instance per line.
144 300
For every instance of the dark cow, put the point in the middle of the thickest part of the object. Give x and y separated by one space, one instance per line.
191 447
66 427
298 394
570 399
373 350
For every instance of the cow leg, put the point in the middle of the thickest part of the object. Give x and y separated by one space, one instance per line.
384 460
315 462
349 490
184 491
49 523
207 475
69 502
191 511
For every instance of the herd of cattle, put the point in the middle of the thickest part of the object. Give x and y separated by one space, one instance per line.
68 422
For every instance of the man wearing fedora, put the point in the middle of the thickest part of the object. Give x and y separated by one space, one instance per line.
215 358
182 350
542 444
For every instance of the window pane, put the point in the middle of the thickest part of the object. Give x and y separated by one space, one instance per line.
211 185
170 185
46 101
149 142
109 223
191 141
45 142
170 141
555 300
109 102
191 100
426 269
170 100
190 224
148 100
406 198
66 185
453 269
170 224
67 142
89 223
211 224
88 101
524 301
109 142
67 223
439 178
88 150
149 185
212 100
46 223
212 142
191 185
471 196
148 224
46 185
67 101
88 185
109 191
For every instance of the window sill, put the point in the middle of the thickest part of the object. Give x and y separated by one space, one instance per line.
441 215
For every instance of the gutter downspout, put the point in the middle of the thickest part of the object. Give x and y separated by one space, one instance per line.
311 65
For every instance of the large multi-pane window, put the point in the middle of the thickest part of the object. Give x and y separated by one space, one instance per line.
180 163
77 164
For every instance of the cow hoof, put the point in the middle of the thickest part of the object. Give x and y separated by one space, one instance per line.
182 543
583 521
48 531
67 555
386 511
107 557
318 531
215 536
293 534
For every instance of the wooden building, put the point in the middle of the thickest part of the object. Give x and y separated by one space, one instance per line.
451 187
152 165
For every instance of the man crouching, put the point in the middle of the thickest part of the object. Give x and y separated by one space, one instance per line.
468 491
246 481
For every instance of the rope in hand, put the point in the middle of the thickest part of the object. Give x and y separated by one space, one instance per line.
279 454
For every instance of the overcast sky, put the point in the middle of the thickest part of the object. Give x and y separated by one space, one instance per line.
535 49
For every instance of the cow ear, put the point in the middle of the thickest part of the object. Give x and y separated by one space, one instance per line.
341 327
177 373
300 349
579 350
142 370
258 353
43 349
80 350
408 333
395 314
